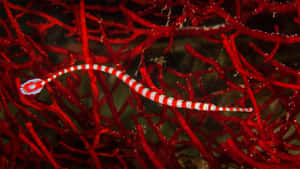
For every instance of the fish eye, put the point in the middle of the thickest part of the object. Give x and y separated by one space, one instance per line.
32 86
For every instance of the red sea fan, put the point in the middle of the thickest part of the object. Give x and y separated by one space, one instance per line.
228 53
